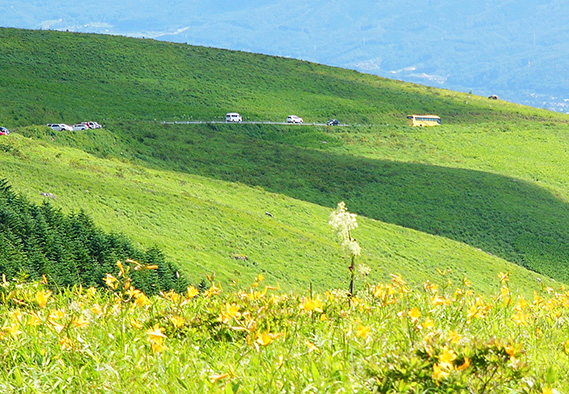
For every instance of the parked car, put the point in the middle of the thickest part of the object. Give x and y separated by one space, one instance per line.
80 126
294 119
92 125
233 117
60 127
4 131
333 122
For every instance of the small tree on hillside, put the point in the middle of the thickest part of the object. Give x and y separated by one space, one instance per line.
343 223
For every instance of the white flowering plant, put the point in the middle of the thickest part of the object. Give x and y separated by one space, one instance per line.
343 223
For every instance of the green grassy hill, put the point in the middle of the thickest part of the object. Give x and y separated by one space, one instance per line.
482 194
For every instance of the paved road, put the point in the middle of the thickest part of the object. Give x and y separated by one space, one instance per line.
223 122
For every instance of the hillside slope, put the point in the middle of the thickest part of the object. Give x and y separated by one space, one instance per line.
53 76
208 226
385 170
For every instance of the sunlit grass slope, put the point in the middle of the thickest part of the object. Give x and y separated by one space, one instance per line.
515 218
50 76
492 177
207 225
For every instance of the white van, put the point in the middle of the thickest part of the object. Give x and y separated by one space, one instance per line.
294 119
233 117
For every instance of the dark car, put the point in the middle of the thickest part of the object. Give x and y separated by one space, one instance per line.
4 131
333 122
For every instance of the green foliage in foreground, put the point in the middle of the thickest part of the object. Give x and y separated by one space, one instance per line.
388 338
39 240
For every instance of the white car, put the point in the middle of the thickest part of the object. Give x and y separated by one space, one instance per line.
294 119
233 117
60 127
80 126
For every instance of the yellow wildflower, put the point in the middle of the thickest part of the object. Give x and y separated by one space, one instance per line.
464 365
310 305
398 279
156 338
363 331
137 265
504 292
228 312
96 309
440 300
35 319
312 347
121 268
12 330
454 337
213 290
478 310
66 343
42 297
155 332
216 377
521 304
504 277
16 315
172 296
447 357
56 314
414 314
266 338
111 281
192 292
141 300
520 318
431 287
511 351
439 372
157 345
177 321
79 322
428 323
136 324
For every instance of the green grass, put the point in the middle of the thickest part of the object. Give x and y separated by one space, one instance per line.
441 337
55 76
503 215
200 192
481 196
204 224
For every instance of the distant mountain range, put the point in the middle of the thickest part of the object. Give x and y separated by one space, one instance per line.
518 50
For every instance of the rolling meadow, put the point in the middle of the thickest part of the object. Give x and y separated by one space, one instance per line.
461 279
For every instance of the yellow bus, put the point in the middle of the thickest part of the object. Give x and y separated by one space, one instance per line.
423 120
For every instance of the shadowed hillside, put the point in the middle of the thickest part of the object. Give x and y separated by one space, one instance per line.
508 217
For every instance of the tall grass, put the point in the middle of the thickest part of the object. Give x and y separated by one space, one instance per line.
442 337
